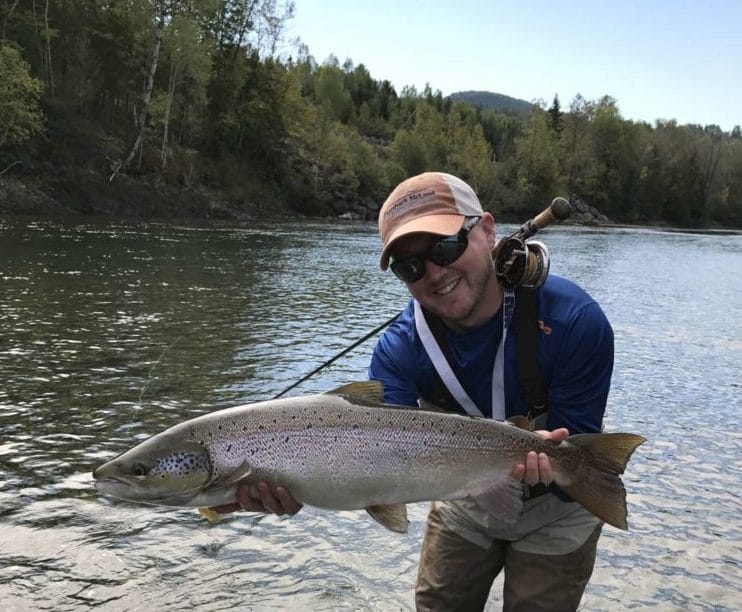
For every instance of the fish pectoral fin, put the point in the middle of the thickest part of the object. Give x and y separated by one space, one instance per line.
237 476
210 515
393 517
503 499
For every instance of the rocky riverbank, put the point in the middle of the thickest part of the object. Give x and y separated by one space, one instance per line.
87 193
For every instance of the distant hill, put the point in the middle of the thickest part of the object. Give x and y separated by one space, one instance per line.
495 101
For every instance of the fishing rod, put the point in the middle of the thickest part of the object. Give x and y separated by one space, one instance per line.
339 355
517 263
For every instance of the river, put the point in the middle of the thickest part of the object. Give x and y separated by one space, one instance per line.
110 332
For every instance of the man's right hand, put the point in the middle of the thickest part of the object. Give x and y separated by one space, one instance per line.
261 498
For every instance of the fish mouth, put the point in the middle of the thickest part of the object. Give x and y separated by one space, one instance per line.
121 487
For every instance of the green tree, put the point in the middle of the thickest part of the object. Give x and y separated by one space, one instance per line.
187 59
20 114
331 93
555 116
538 153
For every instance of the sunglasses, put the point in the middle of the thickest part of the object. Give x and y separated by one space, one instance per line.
443 253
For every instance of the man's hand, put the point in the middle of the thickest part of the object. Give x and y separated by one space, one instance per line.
537 467
261 498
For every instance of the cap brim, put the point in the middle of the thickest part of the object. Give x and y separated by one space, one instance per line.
438 225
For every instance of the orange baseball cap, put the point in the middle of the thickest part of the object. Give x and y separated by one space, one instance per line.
430 203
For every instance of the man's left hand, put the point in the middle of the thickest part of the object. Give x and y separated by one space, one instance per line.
537 467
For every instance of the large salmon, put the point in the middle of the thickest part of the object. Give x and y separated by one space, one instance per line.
347 450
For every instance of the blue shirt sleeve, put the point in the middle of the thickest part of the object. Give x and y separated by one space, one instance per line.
581 374
395 363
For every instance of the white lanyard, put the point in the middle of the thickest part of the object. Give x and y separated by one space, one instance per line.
441 365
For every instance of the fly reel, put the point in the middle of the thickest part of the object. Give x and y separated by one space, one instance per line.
522 263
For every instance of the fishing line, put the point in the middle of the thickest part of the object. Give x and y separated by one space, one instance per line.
339 355
154 365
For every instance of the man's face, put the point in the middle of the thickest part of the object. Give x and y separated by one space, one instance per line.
456 292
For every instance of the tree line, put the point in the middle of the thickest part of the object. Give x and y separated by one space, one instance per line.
202 94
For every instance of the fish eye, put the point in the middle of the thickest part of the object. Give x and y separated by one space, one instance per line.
139 469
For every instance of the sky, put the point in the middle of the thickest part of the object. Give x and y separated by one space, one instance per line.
660 59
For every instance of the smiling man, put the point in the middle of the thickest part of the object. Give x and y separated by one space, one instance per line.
455 346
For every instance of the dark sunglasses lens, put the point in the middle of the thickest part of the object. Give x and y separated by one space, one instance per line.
446 251
409 269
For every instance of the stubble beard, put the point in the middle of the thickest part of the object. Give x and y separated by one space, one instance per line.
478 289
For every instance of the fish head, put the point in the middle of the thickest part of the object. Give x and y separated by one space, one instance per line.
160 470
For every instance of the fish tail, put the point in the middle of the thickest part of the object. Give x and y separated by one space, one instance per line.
598 487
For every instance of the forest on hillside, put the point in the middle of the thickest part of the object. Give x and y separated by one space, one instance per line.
208 97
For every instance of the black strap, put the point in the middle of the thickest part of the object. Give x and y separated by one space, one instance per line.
527 351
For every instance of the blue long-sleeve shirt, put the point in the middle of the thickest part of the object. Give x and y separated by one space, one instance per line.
575 357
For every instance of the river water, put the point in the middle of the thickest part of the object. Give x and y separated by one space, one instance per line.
110 332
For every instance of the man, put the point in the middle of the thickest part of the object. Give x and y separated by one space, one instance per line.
439 241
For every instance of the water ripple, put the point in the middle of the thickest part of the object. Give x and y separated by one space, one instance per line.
113 331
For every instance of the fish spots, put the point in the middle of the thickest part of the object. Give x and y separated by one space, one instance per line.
181 464
309 426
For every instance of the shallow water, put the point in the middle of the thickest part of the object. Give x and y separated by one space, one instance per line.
112 332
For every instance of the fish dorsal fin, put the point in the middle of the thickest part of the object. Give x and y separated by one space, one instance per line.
393 516
521 422
502 499
366 392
